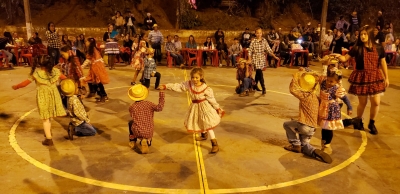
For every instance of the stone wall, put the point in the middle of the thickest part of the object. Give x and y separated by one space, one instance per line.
200 35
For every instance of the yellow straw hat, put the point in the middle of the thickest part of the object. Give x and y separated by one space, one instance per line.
307 81
242 60
67 87
138 92
150 50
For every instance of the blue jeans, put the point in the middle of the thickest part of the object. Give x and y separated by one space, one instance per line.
85 129
178 58
233 59
305 133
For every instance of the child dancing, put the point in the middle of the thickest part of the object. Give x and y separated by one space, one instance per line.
204 113
330 117
150 69
97 75
138 60
48 97
142 112
304 86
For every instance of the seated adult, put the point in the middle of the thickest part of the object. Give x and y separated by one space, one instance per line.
9 41
219 34
34 39
222 51
191 43
337 42
273 40
3 43
235 50
149 21
284 50
127 50
208 44
246 36
178 43
170 47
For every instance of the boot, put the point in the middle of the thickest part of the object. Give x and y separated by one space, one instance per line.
215 147
255 87
71 131
47 142
322 156
347 122
145 147
293 148
358 124
203 136
371 126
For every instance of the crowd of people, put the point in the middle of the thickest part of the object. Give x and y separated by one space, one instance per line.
321 95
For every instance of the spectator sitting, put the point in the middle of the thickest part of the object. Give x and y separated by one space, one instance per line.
273 40
65 41
8 40
191 44
280 34
177 42
298 28
337 43
243 76
315 40
354 38
126 52
222 51
293 36
208 44
307 28
173 51
219 34
284 50
235 50
246 38
379 36
130 23
149 22
35 39
119 22
327 40
3 42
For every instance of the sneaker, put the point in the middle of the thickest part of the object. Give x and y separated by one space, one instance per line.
322 156
293 148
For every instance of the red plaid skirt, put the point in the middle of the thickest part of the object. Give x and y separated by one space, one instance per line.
366 82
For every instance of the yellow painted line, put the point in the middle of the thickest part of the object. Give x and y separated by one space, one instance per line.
200 165
24 155
334 169
199 155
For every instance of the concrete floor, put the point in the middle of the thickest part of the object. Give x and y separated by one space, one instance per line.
251 137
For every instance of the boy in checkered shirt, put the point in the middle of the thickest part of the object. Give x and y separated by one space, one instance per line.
142 112
150 69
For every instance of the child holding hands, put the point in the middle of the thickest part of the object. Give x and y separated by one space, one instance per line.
204 113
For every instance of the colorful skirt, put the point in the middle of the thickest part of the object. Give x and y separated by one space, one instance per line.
366 82
111 48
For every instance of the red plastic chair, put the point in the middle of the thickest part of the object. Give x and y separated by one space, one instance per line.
3 56
170 60
190 60
26 53
38 50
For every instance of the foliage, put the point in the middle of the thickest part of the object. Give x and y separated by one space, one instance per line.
189 20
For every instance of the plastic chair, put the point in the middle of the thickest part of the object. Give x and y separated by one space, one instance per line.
38 50
190 59
26 53
3 56
170 60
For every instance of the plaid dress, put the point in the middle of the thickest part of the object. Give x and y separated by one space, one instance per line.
142 113
257 51
368 81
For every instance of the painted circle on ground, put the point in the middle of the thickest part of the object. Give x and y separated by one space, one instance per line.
27 157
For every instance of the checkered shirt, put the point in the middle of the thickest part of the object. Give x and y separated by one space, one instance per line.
308 106
142 113
170 47
149 66
241 73
53 40
256 51
76 111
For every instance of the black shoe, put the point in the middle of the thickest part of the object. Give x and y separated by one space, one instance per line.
358 124
255 87
264 92
322 156
372 128
347 122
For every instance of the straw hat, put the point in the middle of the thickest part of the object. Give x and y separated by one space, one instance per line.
242 60
138 92
297 34
150 50
155 25
307 81
67 87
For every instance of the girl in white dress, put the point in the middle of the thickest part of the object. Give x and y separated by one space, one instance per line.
204 113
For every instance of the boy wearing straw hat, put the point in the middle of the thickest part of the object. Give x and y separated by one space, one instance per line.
304 86
80 123
142 112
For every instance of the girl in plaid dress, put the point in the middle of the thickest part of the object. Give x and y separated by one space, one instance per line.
138 60
367 81
204 113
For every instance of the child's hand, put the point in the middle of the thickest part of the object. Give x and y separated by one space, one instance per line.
301 69
14 87
349 112
162 87
220 112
